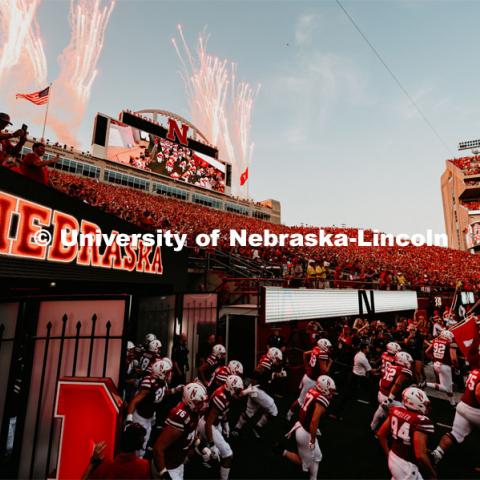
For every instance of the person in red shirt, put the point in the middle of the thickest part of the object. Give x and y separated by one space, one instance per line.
6 148
12 164
126 464
32 165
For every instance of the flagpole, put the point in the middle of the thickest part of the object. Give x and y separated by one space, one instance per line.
46 112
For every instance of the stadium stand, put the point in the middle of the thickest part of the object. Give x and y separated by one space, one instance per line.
347 266
469 165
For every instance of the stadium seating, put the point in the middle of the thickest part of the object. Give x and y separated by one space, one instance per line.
348 266
471 205
469 165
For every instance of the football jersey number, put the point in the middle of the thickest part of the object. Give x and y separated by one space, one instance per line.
159 394
472 381
313 360
401 432
145 363
389 374
308 400
438 350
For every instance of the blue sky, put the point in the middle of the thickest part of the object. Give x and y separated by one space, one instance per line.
335 139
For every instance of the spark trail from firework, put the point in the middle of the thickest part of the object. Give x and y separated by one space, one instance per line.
220 108
21 36
78 65
23 56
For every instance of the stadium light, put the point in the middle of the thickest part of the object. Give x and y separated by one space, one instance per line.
469 145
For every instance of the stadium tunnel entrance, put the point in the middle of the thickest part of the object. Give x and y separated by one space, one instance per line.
64 316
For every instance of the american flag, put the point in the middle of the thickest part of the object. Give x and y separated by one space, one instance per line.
38 98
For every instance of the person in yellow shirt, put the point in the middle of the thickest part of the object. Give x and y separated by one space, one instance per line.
311 274
401 281
321 275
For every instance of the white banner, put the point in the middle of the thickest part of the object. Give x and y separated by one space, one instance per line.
286 304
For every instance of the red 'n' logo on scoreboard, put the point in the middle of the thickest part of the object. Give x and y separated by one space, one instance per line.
175 134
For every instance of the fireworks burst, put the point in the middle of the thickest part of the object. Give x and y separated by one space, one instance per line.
78 64
220 108
78 61
20 33
22 54
36 55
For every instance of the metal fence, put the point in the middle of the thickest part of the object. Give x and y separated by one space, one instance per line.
61 347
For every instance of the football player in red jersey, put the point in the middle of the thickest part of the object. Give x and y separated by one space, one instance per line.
388 356
268 368
153 389
210 427
221 373
131 382
149 356
214 360
444 357
394 380
313 408
408 427
467 416
173 444
142 347
317 362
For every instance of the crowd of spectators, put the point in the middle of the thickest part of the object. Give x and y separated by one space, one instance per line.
315 267
471 205
181 163
30 165
468 165
388 267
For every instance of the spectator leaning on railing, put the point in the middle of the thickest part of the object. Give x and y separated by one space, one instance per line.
33 167
6 148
